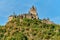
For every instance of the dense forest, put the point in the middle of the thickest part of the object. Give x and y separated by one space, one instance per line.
29 29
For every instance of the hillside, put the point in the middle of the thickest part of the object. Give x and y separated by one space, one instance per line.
29 29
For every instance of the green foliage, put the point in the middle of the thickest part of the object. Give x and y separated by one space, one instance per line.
29 29
17 36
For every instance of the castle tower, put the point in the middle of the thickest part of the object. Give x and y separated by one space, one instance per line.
33 12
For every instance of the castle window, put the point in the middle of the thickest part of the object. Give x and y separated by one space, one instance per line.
32 17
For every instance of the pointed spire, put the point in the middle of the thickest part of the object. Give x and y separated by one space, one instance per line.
33 10
33 7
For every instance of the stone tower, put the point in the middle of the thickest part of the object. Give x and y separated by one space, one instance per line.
33 12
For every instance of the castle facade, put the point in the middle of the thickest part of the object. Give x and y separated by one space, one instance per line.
32 14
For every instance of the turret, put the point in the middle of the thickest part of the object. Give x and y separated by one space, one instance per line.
33 12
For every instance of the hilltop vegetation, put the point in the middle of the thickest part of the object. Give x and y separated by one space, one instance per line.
29 29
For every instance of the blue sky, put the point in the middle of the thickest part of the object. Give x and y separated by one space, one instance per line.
45 8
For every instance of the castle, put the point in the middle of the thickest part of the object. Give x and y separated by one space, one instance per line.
32 14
